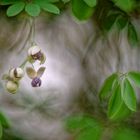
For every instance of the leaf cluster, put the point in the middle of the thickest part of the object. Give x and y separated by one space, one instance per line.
119 90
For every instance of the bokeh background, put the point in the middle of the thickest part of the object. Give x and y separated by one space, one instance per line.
78 61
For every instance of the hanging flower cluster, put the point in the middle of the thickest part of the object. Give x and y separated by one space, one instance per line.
16 74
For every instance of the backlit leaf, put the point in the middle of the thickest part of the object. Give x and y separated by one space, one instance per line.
135 77
15 9
32 9
107 86
129 96
81 10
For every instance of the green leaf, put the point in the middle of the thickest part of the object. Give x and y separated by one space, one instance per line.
15 9
129 96
109 21
1 131
122 22
47 6
8 2
132 35
4 120
90 3
135 77
87 127
117 110
32 9
90 134
51 8
80 122
125 134
125 5
115 103
107 86
81 10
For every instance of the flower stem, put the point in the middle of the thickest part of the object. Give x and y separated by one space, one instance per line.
24 63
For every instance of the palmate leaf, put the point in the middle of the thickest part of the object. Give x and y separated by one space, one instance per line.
128 95
15 9
107 86
90 3
81 10
32 9
135 77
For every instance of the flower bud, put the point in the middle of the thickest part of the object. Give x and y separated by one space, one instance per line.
34 53
16 73
12 86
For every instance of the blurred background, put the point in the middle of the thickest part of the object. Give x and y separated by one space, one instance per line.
78 59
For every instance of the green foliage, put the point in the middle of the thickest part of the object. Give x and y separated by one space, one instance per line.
4 123
134 77
125 134
1 131
84 127
4 120
125 5
132 35
107 86
15 9
128 95
49 7
122 95
109 21
81 10
122 22
32 8
91 3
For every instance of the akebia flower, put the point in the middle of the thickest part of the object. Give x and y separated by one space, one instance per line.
35 76
35 53
16 73
12 86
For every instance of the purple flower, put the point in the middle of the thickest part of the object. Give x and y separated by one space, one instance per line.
36 82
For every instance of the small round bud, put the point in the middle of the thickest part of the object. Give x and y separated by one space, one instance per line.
33 50
12 86
16 73
36 82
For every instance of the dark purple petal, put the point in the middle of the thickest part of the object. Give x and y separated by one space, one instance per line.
37 56
36 82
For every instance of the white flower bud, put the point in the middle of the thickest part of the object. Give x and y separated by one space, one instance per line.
33 50
16 73
12 86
